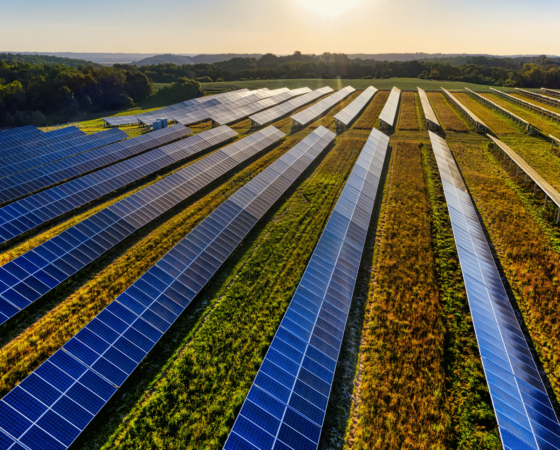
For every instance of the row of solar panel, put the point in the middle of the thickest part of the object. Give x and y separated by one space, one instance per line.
23 161
283 109
429 113
286 405
42 140
542 98
307 115
30 136
35 273
520 101
26 132
30 212
473 118
389 112
55 403
24 183
349 113
525 415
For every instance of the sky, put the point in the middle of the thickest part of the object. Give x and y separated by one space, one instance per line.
498 27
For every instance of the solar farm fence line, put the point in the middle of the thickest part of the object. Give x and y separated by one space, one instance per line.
286 404
529 128
22 184
53 405
389 113
275 113
23 161
526 418
347 115
37 272
549 192
306 116
478 124
543 111
432 122
38 209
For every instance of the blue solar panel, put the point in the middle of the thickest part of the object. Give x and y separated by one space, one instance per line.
286 405
33 274
22 133
57 401
30 212
25 160
525 415
31 141
24 183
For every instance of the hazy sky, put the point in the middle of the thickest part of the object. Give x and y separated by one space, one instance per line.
281 26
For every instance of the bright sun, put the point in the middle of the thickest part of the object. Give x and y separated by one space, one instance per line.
331 8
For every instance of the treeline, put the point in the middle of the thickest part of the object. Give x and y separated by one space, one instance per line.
539 72
45 59
43 93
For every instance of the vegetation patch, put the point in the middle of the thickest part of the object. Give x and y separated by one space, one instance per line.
448 117
408 120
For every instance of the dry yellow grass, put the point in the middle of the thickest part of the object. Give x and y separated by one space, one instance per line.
408 120
448 117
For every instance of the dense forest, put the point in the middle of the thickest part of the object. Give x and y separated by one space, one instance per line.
50 92
519 72
45 59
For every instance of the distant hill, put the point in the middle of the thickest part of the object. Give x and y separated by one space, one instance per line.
45 59
183 59
453 58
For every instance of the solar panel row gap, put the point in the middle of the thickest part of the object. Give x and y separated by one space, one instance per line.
23 161
543 111
31 212
389 113
478 124
272 114
54 404
286 405
22 184
37 272
348 114
525 415
432 121
306 116
541 98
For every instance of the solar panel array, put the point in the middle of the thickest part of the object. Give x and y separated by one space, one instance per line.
35 273
19 133
540 98
286 405
275 113
33 211
551 92
549 192
227 117
349 113
52 406
543 111
429 112
529 128
304 117
39 140
525 415
22 161
389 113
478 124
214 99
24 183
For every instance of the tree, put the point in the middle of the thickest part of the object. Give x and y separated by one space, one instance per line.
140 87
183 89
205 79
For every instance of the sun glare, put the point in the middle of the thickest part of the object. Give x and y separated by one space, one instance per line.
330 8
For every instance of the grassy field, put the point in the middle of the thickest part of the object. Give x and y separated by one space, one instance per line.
408 119
528 99
448 117
498 124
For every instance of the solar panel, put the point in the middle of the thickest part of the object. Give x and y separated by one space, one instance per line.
35 273
529 128
14 133
23 161
540 98
525 415
348 114
33 211
309 114
286 405
243 112
429 113
41 140
24 183
551 92
389 113
478 124
549 192
545 112
53 405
